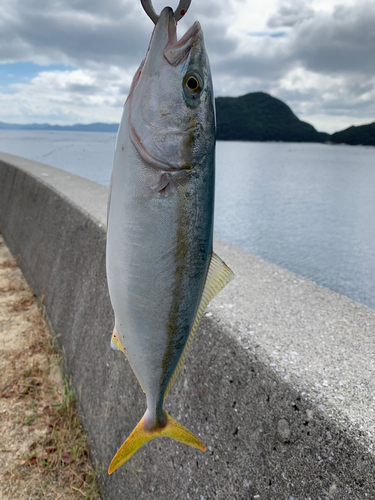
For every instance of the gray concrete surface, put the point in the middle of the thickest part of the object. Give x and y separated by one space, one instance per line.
279 382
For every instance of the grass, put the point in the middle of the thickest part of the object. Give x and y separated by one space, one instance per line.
44 452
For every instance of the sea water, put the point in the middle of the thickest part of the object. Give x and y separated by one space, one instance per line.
309 208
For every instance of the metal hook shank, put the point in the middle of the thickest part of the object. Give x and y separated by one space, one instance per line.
181 9
178 13
149 9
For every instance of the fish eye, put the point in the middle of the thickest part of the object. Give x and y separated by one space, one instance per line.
192 84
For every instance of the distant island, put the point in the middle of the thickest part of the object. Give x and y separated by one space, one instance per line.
260 117
256 116
362 135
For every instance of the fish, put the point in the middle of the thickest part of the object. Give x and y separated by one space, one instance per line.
161 268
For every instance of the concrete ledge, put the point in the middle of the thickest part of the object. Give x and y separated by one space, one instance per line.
279 382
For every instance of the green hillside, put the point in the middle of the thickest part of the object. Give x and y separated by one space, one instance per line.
260 117
363 134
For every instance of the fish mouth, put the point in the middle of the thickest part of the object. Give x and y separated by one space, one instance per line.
164 39
177 51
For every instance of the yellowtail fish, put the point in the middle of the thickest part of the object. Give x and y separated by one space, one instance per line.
161 268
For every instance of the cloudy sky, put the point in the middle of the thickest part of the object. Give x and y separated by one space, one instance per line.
70 61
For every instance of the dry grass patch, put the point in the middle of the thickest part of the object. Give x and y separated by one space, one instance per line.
43 451
10 262
11 288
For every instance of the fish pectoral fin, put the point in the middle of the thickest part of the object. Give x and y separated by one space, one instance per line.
218 276
141 435
163 186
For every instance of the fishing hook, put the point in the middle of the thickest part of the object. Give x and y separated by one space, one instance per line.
178 13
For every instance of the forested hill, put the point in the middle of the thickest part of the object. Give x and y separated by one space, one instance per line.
260 117
363 134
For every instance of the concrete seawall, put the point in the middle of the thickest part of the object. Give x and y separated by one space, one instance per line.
279 382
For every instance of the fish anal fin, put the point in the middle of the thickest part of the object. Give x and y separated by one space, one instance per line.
218 276
116 344
141 435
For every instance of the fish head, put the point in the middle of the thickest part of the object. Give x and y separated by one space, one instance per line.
171 102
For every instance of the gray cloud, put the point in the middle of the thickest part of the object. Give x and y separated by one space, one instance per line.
291 14
84 89
75 32
343 42
209 9
218 42
271 66
345 100
83 33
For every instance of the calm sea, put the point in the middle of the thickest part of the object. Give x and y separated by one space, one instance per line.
309 208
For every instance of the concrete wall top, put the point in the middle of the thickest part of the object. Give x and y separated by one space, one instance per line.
279 382
85 194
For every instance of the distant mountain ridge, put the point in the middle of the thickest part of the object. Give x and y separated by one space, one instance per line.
256 116
79 127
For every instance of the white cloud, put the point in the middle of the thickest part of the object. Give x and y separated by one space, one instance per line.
330 102
65 97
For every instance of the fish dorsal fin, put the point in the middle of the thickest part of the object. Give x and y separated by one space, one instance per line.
218 276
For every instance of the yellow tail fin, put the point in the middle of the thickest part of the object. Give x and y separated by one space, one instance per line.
140 436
